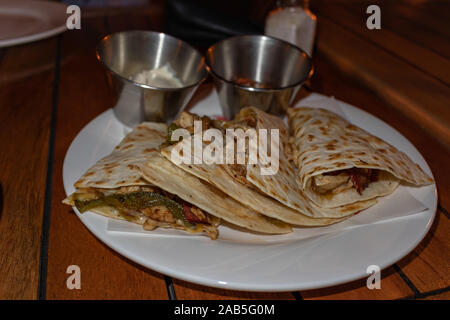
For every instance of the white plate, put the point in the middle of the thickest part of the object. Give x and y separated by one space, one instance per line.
27 21
289 265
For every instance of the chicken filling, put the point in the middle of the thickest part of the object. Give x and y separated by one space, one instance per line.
244 122
337 181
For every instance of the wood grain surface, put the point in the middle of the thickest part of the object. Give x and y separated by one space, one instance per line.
25 108
392 287
426 59
49 90
185 290
428 265
417 95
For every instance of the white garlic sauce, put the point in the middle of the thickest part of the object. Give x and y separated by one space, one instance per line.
162 77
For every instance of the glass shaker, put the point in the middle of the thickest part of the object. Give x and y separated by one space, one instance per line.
292 21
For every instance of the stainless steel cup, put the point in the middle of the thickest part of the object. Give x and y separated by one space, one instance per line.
264 60
125 54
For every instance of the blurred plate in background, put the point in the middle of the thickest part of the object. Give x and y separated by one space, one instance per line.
27 21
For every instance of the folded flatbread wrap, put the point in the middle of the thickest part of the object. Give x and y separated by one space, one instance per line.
339 163
168 176
276 196
115 187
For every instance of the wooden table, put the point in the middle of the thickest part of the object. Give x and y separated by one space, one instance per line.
50 89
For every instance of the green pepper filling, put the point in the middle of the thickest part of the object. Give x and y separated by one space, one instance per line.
135 201
170 129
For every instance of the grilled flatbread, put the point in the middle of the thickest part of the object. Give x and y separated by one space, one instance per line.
276 196
166 175
116 187
340 164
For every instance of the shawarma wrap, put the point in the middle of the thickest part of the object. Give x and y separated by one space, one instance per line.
116 187
340 164
277 195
